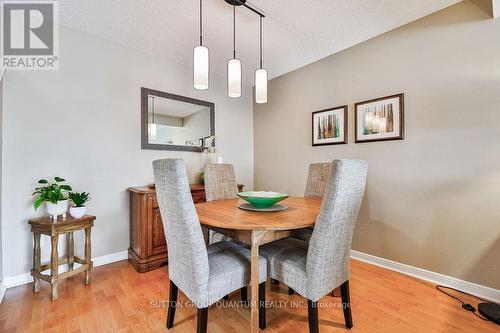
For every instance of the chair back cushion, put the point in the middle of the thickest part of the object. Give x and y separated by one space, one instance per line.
187 254
220 182
317 179
330 245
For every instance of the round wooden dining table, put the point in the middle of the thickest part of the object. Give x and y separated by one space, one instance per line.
257 228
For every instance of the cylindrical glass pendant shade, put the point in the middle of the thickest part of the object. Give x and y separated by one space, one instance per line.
261 85
234 78
201 66
152 133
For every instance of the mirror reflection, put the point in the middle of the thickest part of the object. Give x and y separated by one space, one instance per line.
176 122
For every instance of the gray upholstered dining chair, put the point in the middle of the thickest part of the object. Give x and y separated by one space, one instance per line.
317 179
220 184
316 268
204 274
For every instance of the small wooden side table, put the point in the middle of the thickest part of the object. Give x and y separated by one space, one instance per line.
46 226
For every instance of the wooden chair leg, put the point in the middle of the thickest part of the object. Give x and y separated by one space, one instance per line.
346 303
202 320
262 305
291 291
312 312
172 303
275 282
244 295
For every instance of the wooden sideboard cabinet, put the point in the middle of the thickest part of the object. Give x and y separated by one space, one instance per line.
148 249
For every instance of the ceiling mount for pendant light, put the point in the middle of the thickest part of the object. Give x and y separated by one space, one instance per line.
201 60
236 2
244 4
260 74
234 67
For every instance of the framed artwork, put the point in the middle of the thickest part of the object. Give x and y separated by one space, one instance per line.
379 119
329 126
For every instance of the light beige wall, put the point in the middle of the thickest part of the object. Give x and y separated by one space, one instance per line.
432 200
82 122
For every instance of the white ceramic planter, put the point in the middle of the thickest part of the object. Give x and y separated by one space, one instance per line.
77 212
60 208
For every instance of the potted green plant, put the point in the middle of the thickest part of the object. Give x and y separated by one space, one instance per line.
53 194
79 199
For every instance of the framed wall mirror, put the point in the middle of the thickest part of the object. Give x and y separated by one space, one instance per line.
173 122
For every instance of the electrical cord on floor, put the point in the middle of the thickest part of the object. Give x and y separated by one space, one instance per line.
466 306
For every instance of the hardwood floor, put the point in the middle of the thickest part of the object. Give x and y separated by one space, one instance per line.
122 300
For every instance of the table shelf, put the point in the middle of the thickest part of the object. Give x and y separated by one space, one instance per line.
51 228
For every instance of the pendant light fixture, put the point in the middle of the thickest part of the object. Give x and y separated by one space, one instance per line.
201 60
152 126
260 76
234 67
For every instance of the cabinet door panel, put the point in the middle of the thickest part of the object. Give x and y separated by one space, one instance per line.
156 236
198 196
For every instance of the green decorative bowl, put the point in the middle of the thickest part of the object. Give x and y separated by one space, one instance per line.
262 199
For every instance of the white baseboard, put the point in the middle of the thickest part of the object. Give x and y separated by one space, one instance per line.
2 292
110 258
17 280
436 278
24 278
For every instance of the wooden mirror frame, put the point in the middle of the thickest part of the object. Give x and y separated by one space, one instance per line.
145 92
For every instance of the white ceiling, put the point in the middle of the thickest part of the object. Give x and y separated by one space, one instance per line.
296 32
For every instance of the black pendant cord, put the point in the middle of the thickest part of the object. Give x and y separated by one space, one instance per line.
466 306
201 23
260 42
234 32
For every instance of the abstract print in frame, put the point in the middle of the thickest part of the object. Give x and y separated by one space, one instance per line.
379 119
329 126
